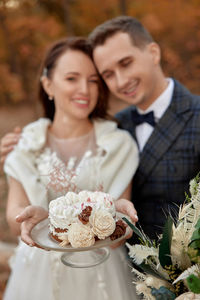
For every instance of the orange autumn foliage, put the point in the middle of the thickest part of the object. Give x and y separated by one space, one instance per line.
29 26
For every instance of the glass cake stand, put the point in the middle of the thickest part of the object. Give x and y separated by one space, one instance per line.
85 257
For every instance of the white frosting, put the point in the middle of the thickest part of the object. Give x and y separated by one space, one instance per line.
64 211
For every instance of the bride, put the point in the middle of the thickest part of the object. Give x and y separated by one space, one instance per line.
75 146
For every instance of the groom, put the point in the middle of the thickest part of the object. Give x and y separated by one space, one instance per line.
164 118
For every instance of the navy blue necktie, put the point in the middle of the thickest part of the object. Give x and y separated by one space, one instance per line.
142 118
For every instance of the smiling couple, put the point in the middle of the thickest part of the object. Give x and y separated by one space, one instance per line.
162 131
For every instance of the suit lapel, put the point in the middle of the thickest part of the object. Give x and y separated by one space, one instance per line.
166 131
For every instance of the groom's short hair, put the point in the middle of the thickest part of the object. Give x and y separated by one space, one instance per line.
138 34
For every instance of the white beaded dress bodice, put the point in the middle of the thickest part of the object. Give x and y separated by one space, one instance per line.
60 164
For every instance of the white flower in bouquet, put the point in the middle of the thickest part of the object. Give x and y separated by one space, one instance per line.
142 288
139 253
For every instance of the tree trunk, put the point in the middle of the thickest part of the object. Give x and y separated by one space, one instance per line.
68 20
11 57
123 7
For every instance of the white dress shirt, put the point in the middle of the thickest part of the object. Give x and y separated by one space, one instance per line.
159 106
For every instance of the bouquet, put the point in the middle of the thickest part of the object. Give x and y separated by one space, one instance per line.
170 267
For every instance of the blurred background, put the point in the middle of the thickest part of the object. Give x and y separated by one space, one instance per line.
27 27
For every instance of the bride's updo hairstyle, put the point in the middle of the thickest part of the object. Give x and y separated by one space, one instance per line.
48 65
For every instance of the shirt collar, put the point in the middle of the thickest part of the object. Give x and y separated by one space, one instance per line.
160 105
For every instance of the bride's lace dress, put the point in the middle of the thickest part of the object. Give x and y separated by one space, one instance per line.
65 165
61 164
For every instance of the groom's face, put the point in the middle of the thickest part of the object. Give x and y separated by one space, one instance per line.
129 71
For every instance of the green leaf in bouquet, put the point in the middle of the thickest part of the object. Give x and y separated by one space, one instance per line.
195 244
194 255
193 283
187 198
165 244
134 228
196 235
163 293
195 239
197 224
148 270
194 184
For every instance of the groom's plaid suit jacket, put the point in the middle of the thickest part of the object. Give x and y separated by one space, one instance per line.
170 158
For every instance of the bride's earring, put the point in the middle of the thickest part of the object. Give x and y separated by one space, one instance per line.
50 98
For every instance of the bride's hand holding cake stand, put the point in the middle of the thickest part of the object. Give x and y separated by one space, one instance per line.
29 218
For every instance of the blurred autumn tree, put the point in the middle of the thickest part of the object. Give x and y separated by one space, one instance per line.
23 38
28 26
175 25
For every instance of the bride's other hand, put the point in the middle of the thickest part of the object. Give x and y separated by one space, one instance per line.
8 142
28 218
126 207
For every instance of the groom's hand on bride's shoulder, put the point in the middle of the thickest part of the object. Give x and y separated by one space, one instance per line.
8 142
29 218
126 207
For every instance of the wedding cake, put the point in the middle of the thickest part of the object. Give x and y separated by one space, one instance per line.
82 219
